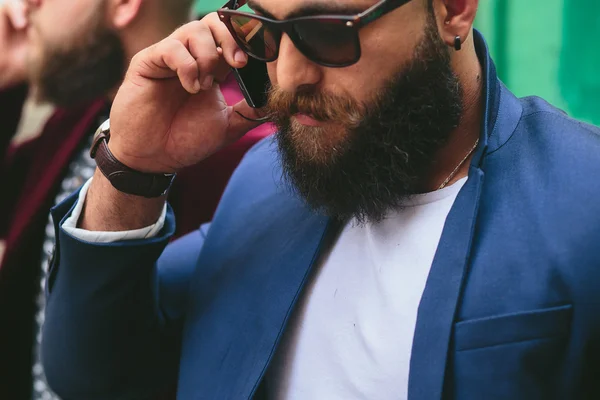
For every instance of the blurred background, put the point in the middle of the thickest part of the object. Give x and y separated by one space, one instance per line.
548 48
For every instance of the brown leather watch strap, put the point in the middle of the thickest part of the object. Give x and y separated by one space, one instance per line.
128 180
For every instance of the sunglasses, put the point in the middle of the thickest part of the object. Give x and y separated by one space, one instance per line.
327 40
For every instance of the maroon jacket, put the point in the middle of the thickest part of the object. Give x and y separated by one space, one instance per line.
30 177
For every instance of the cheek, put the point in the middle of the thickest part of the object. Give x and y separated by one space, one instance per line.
381 59
385 50
50 29
359 81
272 71
58 21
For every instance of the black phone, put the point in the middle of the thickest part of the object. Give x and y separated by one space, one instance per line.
254 82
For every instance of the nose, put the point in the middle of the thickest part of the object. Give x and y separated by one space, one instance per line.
294 70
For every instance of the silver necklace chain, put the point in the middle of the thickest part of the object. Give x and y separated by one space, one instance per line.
453 174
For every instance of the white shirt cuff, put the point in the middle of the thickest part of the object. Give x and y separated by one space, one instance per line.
70 225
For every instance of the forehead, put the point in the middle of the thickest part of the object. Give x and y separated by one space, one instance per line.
283 9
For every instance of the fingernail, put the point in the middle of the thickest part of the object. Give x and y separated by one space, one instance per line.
197 86
239 56
207 82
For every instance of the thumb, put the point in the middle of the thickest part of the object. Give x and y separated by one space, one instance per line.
243 119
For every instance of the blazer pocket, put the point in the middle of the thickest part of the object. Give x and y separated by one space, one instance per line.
512 328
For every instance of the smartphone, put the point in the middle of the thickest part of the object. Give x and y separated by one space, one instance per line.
254 82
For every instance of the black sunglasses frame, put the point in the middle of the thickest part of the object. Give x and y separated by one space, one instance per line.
350 22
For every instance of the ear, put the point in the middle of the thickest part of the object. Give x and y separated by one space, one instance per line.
121 13
455 18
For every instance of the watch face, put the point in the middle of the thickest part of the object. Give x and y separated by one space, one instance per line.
105 127
102 132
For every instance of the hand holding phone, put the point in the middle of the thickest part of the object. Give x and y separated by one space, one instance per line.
149 136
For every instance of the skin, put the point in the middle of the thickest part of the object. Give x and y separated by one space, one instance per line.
13 39
28 26
151 135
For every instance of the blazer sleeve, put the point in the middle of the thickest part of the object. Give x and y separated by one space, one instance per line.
114 313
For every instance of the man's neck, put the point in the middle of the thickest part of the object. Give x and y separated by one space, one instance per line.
464 137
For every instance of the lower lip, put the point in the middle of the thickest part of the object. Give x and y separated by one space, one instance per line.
306 120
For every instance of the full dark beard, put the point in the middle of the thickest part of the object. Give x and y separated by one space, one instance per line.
82 70
388 146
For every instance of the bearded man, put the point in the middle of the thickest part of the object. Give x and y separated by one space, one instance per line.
74 55
413 231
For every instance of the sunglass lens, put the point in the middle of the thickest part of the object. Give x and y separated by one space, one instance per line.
256 38
328 41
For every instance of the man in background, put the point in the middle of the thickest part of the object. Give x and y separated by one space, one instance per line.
74 55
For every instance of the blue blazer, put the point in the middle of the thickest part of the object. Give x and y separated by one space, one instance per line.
511 309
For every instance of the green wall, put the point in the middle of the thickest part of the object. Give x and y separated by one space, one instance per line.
548 48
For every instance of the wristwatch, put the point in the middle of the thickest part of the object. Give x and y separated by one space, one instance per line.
123 178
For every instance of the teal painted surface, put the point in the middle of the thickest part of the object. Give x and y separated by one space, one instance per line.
579 71
203 7
548 48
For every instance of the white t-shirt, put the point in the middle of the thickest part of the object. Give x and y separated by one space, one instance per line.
351 335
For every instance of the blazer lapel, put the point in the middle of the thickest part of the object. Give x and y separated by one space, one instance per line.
441 297
439 301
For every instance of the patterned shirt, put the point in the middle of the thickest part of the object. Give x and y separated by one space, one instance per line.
80 170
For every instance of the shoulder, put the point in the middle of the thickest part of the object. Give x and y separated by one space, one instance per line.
548 131
541 192
549 146
538 219
548 155
555 124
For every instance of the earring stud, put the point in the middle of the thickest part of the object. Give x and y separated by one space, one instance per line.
457 43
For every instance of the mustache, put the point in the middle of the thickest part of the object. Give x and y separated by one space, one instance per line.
324 107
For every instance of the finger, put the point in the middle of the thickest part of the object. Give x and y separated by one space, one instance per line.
171 56
17 14
203 49
239 120
223 69
211 25
232 53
